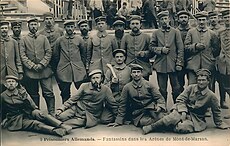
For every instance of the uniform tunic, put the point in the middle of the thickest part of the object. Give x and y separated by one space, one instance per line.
68 54
88 104
10 59
143 98
136 43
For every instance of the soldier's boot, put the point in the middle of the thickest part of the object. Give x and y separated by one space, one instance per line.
52 130
50 102
149 128
223 104
36 100
174 96
57 123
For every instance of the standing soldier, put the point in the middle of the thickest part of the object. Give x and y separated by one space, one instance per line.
136 45
117 76
223 60
103 46
84 29
168 46
183 27
51 31
10 59
147 105
68 54
119 27
16 27
202 45
216 27
36 53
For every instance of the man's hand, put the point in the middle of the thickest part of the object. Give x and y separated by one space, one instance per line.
141 54
113 124
39 67
158 109
223 126
38 114
165 50
20 76
114 80
58 112
200 46
183 116
178 68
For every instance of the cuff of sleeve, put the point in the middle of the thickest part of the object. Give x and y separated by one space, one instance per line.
162 106
43 62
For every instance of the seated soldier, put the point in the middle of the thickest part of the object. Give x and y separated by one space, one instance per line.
84 109
146 103
188 114
22 114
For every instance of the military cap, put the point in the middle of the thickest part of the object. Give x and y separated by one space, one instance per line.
48 14
201 14
212 13
32 19
203 72
101 18
4 23
117 22
16 23
162 14
11 77
119 51
96 71
183 12
135 17
69 22
225 12
82 21
136 67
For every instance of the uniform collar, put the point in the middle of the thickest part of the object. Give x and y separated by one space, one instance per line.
49 29
166 30
187 27
203 92
33 35
85 36
12 93
137 84
135 34
6 39
69 36
16 37
92 88
201 30
102 34
120 67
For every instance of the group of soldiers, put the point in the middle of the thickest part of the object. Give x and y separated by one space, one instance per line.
111 74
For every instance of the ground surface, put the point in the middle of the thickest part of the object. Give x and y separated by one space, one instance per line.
126 135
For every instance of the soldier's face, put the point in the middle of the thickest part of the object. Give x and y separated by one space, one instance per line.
183 19
17 30
202 82
119 30
202 22
136 75
101 26
119 58
33 27
135 25
4 30
96 80
11 84
226 20
49 21
164 21
84 28
69 29
213 20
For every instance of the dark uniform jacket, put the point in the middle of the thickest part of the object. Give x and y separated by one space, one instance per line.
89 102
136 43
68 54
10 59
35 49
196 103
205 58
142 97
170 38
16 106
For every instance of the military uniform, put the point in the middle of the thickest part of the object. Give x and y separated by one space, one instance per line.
143 99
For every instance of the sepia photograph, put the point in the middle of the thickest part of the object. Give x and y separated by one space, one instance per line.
115 72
